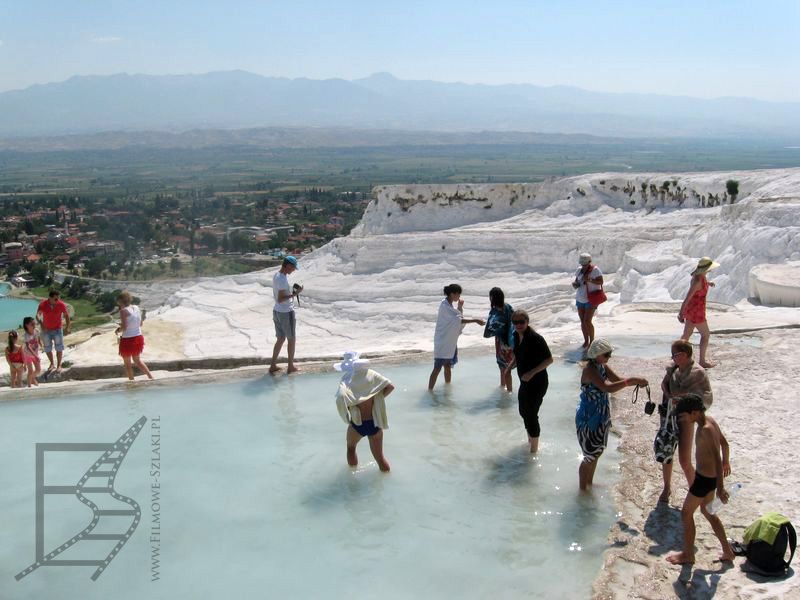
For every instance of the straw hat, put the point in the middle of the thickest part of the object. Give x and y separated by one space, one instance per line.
704 265
585 258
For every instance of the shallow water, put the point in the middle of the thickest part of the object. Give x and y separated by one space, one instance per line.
256 499
13 310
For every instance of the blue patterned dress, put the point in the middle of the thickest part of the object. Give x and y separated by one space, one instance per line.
498 325
593 418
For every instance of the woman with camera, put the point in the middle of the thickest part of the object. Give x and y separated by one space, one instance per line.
593 417
684 377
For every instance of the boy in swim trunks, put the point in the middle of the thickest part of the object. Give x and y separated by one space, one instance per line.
360 401
711 469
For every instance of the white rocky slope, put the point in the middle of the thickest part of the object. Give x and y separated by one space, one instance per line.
378 289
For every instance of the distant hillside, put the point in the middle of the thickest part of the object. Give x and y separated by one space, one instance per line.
290 137
237 99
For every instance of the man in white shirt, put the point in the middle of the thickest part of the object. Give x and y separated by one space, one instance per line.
283 314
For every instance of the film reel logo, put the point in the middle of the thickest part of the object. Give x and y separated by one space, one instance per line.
117 516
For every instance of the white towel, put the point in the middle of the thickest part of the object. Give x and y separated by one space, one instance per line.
363 385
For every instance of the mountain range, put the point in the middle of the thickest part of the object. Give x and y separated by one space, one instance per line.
238 99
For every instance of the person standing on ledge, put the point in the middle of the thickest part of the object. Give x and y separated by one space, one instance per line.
49 316
588 278
283 315
693 309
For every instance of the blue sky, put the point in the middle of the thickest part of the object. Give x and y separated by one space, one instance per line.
701 48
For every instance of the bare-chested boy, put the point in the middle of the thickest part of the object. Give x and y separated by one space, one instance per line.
711 468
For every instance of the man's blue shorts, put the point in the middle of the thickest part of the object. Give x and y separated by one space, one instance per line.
50 337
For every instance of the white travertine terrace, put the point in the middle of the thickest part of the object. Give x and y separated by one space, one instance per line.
378 288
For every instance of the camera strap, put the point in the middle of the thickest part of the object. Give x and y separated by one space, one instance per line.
635 396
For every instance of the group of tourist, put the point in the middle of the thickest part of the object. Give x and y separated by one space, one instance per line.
52 317
362 391
686 392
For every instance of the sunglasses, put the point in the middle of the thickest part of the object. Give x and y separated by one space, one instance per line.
674 354
519 322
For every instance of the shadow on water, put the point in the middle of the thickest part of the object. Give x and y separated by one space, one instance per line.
578 514
261 385
663 526
514 468
348 487
498 399
438 398
575 355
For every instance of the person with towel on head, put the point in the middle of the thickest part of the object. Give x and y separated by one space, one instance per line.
361 401
693 309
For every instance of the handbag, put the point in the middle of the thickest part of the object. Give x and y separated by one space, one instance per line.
597 297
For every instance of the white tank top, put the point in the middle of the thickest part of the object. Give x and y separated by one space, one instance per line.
133 322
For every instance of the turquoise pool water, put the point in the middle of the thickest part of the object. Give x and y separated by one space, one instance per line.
255 498
13 310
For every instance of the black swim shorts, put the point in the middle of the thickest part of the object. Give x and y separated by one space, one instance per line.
702 485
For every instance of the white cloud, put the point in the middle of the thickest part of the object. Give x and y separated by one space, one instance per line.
109 39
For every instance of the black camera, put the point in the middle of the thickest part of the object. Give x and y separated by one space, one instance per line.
649 406
296 289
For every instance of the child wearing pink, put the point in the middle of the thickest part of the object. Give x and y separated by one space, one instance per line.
30 350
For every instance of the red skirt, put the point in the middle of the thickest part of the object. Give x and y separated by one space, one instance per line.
131 346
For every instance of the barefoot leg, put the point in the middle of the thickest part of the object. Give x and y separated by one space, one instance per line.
589 325
666 474
376 446
685 443
448 374
353 438
705 336
276 350
586 473
688 329
128 367
290 368
686 556
142 367
719 530
434 376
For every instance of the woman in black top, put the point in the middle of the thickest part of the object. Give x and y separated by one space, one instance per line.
532 357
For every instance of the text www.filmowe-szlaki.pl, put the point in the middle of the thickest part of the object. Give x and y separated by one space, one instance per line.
155 498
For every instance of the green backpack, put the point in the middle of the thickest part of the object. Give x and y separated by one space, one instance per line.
766 541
